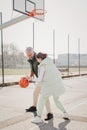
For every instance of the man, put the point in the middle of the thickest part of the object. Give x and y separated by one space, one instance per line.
34 71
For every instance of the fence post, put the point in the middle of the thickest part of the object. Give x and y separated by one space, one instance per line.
79 54
68 55
54 46
33 35
2 56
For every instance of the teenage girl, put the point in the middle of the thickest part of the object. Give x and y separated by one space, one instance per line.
51 84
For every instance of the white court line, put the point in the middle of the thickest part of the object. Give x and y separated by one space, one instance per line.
79 104
69 86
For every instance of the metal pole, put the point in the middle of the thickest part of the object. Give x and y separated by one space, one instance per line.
2 56
79 54
68 55
33 35
54 46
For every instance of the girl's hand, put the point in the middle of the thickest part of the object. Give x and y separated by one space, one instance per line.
29 78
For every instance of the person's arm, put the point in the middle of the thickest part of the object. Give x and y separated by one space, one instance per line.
40 76
30 76
31 73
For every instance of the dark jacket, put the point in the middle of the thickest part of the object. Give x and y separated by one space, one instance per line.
34 65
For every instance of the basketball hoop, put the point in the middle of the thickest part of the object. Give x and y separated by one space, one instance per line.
37 12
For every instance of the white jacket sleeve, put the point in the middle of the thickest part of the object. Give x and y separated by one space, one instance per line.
40 76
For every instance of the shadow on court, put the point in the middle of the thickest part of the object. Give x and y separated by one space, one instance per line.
50 126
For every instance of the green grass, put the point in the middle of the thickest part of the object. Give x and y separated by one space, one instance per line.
15 71
26 71
75 69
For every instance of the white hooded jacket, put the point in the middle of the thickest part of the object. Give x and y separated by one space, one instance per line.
51 82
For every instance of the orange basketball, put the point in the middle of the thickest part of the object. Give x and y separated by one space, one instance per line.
23 82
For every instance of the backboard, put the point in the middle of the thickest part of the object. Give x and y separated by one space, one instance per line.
26 6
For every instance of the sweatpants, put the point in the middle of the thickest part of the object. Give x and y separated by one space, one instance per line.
36 96
43 99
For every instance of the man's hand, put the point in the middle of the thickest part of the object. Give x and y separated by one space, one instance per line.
29 78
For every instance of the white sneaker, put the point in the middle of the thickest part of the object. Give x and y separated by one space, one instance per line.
66 116
37 120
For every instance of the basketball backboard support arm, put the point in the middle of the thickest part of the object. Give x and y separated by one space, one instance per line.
13 21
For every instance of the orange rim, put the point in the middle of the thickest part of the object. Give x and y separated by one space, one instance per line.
37 12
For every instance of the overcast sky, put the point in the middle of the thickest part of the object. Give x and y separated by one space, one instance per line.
65 16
